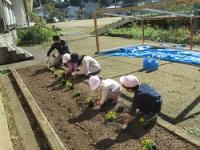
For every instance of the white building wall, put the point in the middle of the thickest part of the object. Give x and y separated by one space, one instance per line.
7 15
20 13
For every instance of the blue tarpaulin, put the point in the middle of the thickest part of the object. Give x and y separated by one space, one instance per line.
181 56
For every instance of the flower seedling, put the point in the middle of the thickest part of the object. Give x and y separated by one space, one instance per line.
52 69
77 93
69 85
55 75
61 72
63 80
89 101
148 144
110 116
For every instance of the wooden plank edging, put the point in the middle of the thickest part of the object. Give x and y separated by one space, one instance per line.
171 128
50 134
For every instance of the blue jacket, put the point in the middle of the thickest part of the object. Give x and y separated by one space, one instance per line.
146 99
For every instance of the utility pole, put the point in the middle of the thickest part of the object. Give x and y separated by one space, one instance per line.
41 9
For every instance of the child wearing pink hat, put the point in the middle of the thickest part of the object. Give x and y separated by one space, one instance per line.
70 67
107 89
146 99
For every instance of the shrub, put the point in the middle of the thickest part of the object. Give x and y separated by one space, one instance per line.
35 18
34 35
197 39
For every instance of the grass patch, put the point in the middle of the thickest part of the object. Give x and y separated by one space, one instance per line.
171 35
192 130
15 138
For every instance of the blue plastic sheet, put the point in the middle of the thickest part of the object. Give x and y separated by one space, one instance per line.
181 56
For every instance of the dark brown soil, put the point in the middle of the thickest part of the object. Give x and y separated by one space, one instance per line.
82 128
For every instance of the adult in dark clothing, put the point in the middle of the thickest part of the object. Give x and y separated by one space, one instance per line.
62 48
146 99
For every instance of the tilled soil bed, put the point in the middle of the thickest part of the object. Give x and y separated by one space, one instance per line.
80 127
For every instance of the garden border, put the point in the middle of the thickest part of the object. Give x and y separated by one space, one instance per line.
49 132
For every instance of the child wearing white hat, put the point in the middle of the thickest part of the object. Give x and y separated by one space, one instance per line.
70 67
107 89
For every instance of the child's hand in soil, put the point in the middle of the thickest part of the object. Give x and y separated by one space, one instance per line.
73 74
124 126
97 104
96 107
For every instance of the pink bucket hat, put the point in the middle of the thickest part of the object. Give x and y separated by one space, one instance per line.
129 81
94 82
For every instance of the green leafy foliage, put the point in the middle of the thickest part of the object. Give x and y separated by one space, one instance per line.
110 116
77 93
35 18
52 69
34 35
55 75
172 35
61 72
89 100
4 71
148 144
58 73
69 85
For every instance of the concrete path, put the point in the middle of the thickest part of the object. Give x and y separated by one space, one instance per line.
22 123
5 141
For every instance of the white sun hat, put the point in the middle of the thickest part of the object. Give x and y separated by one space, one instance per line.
94 82
66 58
129 81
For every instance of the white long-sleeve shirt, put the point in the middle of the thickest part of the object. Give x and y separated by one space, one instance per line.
106 86
89 65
